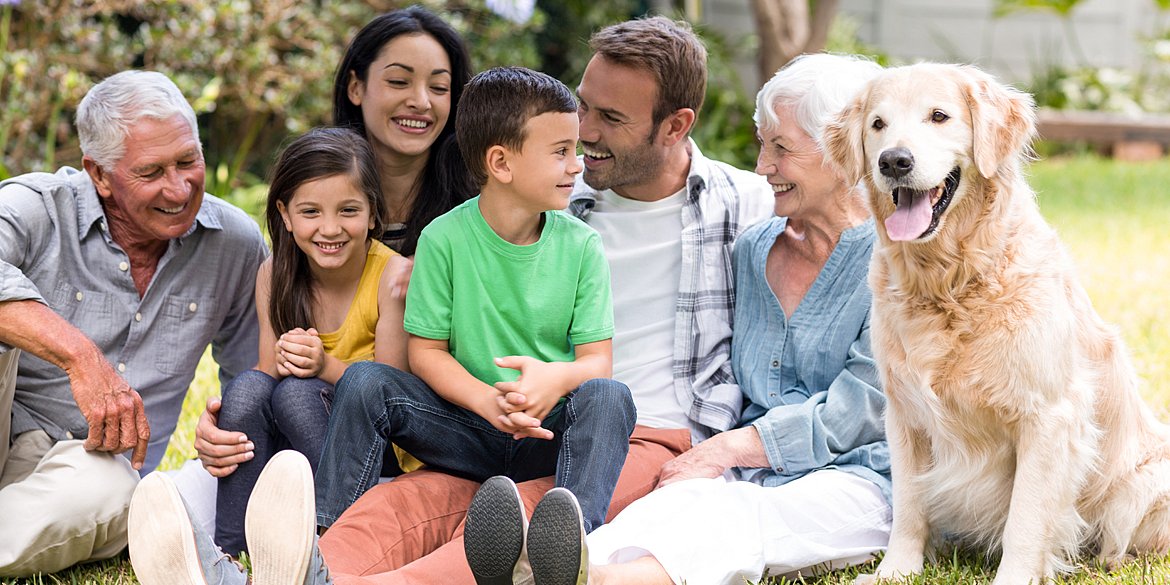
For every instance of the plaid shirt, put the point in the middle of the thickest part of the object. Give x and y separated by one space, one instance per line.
722 201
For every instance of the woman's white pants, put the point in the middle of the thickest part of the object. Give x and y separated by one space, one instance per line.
713 531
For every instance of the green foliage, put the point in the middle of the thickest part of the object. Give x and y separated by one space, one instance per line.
255 71
563 43
1062 8
1082 87
725 130
1088 88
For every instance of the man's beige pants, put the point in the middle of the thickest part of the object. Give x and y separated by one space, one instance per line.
59 504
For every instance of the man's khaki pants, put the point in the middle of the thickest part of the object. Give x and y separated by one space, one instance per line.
59 504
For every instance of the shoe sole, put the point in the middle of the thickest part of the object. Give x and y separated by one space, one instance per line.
160 534
493 539
556 546
280 523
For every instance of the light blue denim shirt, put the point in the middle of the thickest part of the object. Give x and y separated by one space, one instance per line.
813 387
55 248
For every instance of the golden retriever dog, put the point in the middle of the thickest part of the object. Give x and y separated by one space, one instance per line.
1014 420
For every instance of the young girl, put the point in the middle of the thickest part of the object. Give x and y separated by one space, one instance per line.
323 300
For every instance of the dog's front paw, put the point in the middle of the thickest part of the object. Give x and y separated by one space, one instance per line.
865 580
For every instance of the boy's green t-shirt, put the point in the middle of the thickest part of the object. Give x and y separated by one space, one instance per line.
490 298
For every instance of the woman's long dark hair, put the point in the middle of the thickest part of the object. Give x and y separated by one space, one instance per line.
317 154
445 182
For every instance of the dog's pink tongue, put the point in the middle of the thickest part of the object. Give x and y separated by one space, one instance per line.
912 216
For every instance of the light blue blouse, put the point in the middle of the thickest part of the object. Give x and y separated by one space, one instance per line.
815 397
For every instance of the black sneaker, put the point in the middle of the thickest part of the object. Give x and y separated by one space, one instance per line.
556 541
494 536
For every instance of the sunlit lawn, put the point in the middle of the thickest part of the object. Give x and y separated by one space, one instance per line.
1115 219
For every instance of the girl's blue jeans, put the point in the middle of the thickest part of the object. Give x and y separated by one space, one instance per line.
292 413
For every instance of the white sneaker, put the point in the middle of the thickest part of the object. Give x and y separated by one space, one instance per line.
166 548
281 524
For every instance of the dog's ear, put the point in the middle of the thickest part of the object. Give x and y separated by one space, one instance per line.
1003 121
842 143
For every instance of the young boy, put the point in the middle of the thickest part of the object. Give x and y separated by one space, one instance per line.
510 318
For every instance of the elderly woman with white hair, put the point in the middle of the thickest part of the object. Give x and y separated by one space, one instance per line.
804 482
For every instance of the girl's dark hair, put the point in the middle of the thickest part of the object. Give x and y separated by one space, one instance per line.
317 154
445 182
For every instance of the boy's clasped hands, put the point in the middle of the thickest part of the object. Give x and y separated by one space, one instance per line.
526 401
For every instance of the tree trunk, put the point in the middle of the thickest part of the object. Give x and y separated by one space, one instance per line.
786 29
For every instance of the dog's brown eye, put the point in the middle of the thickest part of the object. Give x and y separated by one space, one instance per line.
878 124
938 117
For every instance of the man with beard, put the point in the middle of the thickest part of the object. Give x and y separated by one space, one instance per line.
668 217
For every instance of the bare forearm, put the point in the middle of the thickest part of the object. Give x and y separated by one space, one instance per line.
332 370
113 410
584 368
450 380
35 328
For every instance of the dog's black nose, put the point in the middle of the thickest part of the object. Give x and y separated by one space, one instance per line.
896 162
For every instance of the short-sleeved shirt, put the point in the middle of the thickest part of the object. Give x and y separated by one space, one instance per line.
490 298
56 248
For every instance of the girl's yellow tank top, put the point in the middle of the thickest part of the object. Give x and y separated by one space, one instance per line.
354 340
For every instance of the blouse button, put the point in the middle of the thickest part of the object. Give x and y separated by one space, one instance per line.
138 317
121 367
79 296
192 307
123 266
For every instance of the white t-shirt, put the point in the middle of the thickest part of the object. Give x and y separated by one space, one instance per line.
643 245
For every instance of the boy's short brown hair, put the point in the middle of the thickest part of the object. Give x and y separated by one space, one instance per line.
495 107
668 50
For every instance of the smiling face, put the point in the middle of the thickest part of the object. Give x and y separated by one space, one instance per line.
802 184
544 169
617 126
329 220
918 142
154 191
406 97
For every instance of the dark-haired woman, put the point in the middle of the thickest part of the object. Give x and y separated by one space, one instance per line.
399 85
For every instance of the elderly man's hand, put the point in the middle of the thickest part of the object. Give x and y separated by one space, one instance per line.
114 411
220 451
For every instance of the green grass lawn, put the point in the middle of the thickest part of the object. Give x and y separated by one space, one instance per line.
1114 218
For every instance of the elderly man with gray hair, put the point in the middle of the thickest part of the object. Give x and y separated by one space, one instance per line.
112 283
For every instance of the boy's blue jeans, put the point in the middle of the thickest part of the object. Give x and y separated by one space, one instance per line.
375 405
288 414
